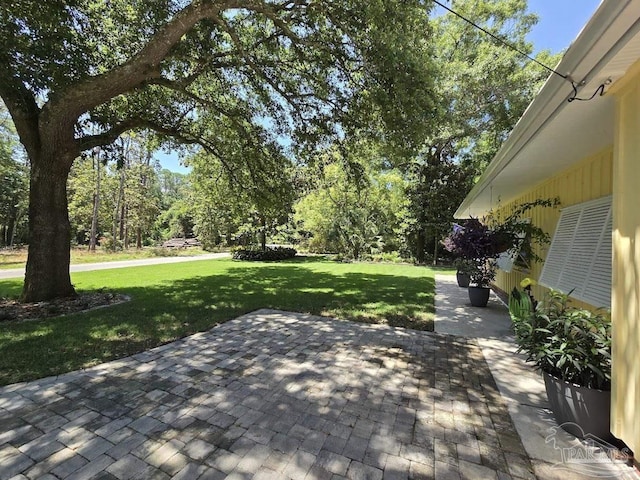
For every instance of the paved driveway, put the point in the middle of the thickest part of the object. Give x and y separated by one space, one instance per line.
85 267
270 395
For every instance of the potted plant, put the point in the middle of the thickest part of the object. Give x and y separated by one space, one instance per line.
474 243
463 265
482 274
572 348
463 271
516 232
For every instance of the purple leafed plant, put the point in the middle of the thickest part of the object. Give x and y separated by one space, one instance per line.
475 242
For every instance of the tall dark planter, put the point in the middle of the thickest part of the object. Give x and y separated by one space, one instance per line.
579 410
463 279
479 296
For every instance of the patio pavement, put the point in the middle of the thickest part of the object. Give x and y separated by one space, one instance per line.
274 395
521 387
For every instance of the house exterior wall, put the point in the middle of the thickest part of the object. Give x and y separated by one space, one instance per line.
615 170
625 309
589 179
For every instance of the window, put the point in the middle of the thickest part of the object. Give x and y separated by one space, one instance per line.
579 259
515 256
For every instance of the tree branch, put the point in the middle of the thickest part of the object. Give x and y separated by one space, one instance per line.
91 141
77 99
21 106
185 138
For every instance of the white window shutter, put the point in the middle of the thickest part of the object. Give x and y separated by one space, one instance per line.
579 259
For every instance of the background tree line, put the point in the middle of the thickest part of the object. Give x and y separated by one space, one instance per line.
14 184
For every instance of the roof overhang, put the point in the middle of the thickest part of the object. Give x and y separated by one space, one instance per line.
554 134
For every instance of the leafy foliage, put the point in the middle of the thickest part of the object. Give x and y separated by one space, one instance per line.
354 203
517 231
14 181
570 343
239 79
270 254
243 205
481 90
436 185
129 196
476 243
520 304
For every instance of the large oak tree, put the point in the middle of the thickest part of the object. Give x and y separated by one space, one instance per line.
228 75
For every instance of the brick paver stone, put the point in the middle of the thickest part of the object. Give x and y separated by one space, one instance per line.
269 395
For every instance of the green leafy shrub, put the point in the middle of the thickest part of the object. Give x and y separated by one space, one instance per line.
570 343
268 255
387 257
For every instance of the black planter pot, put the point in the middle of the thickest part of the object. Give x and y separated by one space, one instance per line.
581 411
463 279
479 296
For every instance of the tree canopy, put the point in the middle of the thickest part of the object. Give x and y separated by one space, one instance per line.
353 205
236 77
482 87
373 115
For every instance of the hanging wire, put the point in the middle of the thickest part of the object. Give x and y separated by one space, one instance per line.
574 85
506 44
599 90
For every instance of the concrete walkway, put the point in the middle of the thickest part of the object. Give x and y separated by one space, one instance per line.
521 387
85 267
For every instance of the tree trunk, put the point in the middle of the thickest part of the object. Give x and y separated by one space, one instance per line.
12 230
435 251
47 274
420 245
138 238
116 214
263 233
123 222
9 229
96 207
125 228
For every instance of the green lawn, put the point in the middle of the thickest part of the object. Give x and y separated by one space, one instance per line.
171 301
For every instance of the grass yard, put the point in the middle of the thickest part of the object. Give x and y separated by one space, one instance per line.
17 257
174 300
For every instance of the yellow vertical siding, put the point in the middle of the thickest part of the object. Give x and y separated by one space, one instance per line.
625 308
588 180
612 171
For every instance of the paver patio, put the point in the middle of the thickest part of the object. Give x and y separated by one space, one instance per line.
270 395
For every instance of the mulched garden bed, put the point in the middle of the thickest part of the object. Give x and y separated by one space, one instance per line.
11 310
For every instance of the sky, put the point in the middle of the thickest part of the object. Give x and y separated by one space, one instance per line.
560 22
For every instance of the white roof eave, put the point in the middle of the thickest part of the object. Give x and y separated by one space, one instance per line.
614 25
